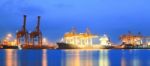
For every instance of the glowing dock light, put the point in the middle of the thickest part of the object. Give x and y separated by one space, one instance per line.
9 37
45 41
147 40
148 43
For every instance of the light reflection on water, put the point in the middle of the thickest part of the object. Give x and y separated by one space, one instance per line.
45 57
86 58
103 59
11 58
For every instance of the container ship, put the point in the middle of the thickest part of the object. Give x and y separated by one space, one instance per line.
8 43
134 41
8 47
74 40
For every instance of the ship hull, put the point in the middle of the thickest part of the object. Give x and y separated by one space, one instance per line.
67 46
8 47
72 46
37 47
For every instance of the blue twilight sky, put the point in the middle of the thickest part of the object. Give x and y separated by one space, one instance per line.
112 17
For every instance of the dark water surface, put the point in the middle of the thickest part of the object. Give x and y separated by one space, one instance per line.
137 57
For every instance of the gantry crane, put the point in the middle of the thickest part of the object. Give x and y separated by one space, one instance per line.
37 34
23 33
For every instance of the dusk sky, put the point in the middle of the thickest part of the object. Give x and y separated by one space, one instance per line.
111 17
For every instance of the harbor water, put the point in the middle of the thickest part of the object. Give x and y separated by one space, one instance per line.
75 57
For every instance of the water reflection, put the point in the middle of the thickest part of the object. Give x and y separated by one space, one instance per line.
123 61
103 59
44 58
87 58
72 58
11 57
130 58
135 61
